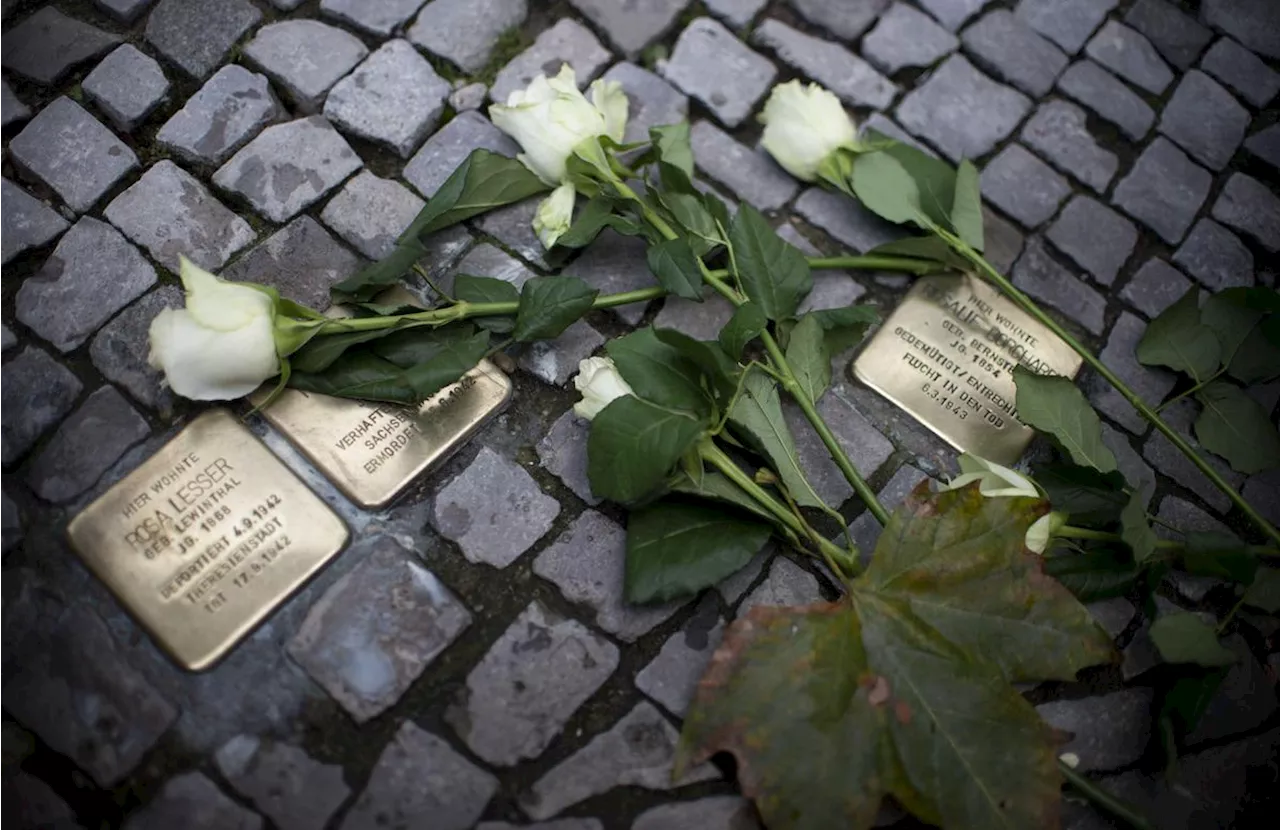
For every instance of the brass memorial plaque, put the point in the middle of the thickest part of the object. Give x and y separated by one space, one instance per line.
947 354
371 452
206 538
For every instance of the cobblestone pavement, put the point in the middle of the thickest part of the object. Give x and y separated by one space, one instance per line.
1128 154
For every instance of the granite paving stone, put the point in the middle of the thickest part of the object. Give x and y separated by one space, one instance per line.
420 781
1129 461
493 510
961 111
1038 274
1188 518
375 630
846 19
306 57
485 260
1066 24
120 348
449 147
638 751
563 452
736 13
554 824
127 85
377 17
568 41
953 13
1167 459
865 530
393 98
1155 286
586 563
1023 186
651 101
1215 256
1243 71
464 32
1109 731
33 803
1265 144
716 812
863 443
1150 384
1015 52
1096 238
85 446
469 97
26 222
198 34
701 321
904 37
48 44
288 167
787 584
70 151
751 174
671 677
1177 36
524 690
555 361
170 213
1108 98
851 78
282 781
228 110
614 263
512 226
1163 190
370 213
7 338
192 800
301 260
124 10
91 274
1059 132
1205 119
39 393
63 662
1004 241
631 25
1114 615
847 221
1255 23
1131 56
12 110
709 63
1250 207
881 123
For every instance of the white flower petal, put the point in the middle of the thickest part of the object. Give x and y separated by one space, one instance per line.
206 364
611 101
600 384
554 215
220 305
804 125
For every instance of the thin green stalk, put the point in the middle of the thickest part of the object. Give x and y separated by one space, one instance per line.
920 267
1202 384
1103 799
1071 532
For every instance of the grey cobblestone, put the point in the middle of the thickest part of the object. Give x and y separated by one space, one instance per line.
306 57
170 213
85 446
1156 286
1110 99
1245 700
67 149
393 98
1250 207
127 86
1178 37
563 451
377 628
198 34
1243 71
301 260
555 361
490 261
1023 186
953 13
92 273
231 108
26 222
124 10
1066 24
1167 459
1004 241
830 64
1255 23
39 392
32 803
12 110
1096 238
631 26
847 221
513 227
1058 131
523 691
712 65
671 678
614 263
586 563
1150 384
1015 51
752 175
1129 461
192 800
1129 55
652 101
846 18
1215 256
904 37
1265 144
1114 615
377 17
701 321
736 13
493 510
1205 119
961 111
290 787
1043 278
469 97
1109 732
717 812
554 824
120 348
7 338
865 530
566 42
863 443
1163 190
370 213
444 151
787 584
48 44
464 32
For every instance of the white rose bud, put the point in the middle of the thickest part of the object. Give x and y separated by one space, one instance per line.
554 216
803 126
222 345
600 384
1042 530
994 480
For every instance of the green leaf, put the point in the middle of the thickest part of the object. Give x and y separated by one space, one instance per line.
774 274
453 360
409 347
658 372
692 215
593 217
1179 340
1055 405
360 375
1083 493
807 353
1236 427
902 688
845 326
1095 575
549 305
1220 555
903 184
1258 358
758 414
744 326
672 141
1134 528
674 550
1187 699
717 487
634 445
1264 593
673 262
717 368
966 205
1231 316
1185 638
320 352
931 248
487 290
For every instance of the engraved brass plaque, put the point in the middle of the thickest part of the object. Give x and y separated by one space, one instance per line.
372 452
206 538
946 355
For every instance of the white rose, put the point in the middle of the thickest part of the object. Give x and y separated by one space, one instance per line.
600 384
803 126
550 117
994 481
1042 530
222 345
554 216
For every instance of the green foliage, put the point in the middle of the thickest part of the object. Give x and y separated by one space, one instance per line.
1055 405
549 305
845 326
1095 575
1083 493
487 290
676 266
809 358
597 214
716 487
774 274
1220 555
673 146
902 184
658 372
744 326
1134 529
676 549
1236 427
1185 638
757 414
1264 593
1177 339
966 206
719 372
634 445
